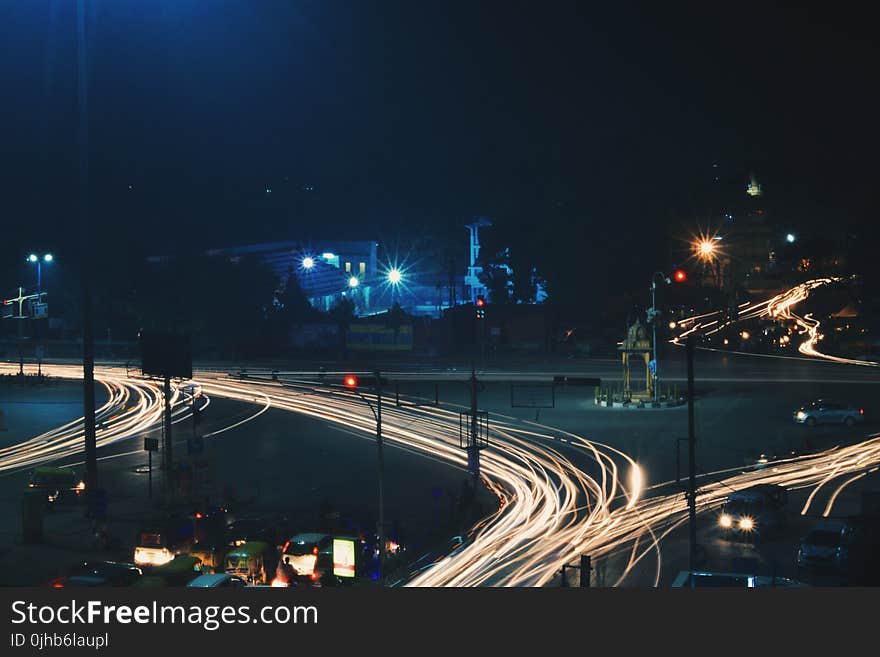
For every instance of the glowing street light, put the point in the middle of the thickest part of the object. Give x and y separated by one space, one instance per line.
37 260
308 262
394 276
706 249
353 282
790 238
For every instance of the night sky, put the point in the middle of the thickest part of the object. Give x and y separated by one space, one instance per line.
565 122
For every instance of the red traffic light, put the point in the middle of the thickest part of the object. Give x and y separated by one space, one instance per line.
481 301
680 276
351 381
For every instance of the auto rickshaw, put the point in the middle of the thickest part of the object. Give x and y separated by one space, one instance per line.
213 558
252 561
180 571
60 484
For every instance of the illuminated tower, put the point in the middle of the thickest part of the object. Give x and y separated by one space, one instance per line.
472 279
753 188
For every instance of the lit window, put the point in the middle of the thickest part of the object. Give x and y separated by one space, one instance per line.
363 268
348 267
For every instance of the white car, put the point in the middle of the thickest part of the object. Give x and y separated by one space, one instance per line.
217 580
302 550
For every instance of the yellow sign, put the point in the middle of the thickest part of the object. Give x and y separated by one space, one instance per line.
343 557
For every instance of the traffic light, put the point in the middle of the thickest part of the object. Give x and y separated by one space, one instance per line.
481 307
351 381
680 276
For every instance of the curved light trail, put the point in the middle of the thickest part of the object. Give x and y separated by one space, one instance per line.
779 307
559 494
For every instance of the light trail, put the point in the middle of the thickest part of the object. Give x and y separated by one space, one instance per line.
779 307
559 494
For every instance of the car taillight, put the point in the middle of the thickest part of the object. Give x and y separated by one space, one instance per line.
284 549
57 585
861 411
314 576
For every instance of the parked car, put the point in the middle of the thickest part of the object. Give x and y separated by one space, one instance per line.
99 573
846 547
217 580
748 513
826 546
824 411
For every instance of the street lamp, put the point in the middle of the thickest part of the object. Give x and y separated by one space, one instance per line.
706 249
308 262
353 282
653 315
394 278
35 259
790 238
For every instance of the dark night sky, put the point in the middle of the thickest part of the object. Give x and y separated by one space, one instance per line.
576 116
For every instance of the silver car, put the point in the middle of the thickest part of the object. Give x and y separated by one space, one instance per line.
824 411
826 546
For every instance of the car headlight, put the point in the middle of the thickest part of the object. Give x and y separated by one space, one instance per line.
747 524
801 415
725 521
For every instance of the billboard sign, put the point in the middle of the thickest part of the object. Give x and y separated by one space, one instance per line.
166 354
376 337
343 557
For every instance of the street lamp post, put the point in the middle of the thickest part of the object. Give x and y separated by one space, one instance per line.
394 278
35 259
654 313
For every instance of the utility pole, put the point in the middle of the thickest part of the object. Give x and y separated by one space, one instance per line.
90 433
381 466
86 235
473 444
656 372
586 569
166 447
692 458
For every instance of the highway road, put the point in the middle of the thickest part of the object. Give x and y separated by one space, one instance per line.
560 494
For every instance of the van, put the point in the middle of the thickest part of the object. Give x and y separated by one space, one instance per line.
750 513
